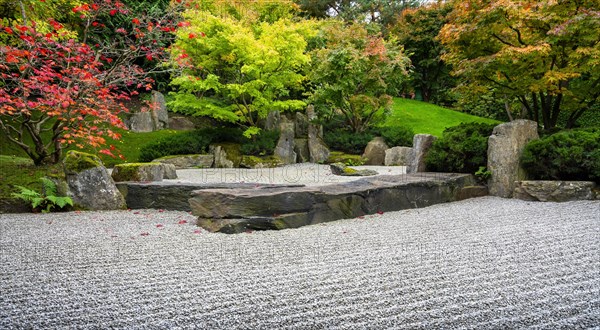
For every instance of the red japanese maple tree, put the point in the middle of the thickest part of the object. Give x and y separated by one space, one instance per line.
56 91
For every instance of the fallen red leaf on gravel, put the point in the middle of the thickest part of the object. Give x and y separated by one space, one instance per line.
159 226
136 212
197 231
161 210
182 222
144 234
380 212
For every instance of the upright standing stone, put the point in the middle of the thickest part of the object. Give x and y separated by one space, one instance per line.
160 116
318 151
301 150
375 151
301 125
226 155
141 122
90 186
273 120
285 145
421 145
181 124
505 147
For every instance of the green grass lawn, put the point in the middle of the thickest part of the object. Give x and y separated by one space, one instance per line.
426 118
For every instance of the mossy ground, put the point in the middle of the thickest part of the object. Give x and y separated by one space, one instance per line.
18 171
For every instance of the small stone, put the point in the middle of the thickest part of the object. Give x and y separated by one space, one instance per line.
554 191
375 151
397 156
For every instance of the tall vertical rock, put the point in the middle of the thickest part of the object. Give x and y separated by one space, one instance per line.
285 146
160 116
318 151
421 145
505 147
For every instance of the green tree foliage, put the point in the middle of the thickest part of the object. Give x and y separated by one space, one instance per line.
543 53
382 13
355 73
417 30
240 63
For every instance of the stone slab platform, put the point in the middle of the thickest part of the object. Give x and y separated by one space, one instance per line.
241 208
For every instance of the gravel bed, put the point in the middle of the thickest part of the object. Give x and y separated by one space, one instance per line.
306 173
477 264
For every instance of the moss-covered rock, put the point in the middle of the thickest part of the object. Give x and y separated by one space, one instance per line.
77 161
343 170
260 162
227 155
138 172
347 159
188 161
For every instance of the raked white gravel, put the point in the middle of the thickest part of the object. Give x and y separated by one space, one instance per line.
479 264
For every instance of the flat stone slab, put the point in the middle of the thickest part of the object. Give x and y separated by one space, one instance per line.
238 209
175 196
555 191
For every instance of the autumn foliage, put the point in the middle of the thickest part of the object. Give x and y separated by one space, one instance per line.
56 91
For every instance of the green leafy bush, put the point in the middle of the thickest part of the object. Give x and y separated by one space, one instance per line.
396 135
192 142
197 142
461 149
47 200
347 141
567 155
262 144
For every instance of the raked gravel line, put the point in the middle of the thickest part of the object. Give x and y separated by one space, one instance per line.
481 263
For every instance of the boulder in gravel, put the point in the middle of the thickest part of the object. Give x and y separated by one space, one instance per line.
375 151
343 170
181 124
188 161
90 185
421 145
142 172
160 116
285 146
397 156
260 162
554 191
505 147
226 155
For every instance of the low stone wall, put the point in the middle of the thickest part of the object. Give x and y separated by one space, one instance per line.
237 210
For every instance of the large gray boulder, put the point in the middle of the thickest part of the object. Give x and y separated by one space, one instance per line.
317 149
181 124
505 147
421 145
188 161
90 185
141 122
143 172
160 116
554 191
285 146
397 156
375 151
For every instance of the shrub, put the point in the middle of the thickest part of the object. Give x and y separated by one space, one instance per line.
461 149
396 135
347 141
567 155
260 145
197 142
192 142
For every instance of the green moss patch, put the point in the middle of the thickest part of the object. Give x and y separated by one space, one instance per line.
77 161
